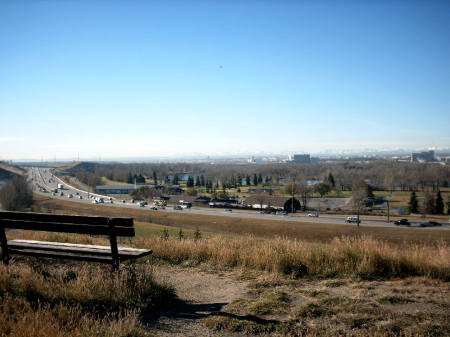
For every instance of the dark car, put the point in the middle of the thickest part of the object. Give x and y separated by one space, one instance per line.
430 224
177 208
402 222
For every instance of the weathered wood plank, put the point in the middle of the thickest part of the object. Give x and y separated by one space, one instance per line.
72 219
77 248
56 255
68 228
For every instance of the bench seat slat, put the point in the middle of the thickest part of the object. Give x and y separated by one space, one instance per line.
58 255
124 252
67 228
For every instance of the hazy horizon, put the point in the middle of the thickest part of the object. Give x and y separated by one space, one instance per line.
152 79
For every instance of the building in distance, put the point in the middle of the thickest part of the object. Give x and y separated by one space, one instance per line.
301 158
423 157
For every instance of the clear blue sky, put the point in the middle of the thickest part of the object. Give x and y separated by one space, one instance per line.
141 78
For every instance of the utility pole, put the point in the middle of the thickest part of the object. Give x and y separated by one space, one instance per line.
388 219
292 202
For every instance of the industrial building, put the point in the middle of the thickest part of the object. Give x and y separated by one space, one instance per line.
302 158
423 157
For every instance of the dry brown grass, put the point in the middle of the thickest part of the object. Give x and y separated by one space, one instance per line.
261 228
363 257
360 257
38 299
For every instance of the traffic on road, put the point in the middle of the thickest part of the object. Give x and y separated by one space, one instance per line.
45 182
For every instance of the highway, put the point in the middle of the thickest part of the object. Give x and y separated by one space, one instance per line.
43 179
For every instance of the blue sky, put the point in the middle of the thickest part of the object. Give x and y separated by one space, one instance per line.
142 78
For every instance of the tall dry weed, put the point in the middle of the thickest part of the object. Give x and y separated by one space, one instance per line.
357 256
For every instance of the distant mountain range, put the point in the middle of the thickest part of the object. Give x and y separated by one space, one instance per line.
202 157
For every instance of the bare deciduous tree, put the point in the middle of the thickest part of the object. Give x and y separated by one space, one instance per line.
16 195
359 196
305 192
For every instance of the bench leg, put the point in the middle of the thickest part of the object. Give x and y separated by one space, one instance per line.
114 251
4 245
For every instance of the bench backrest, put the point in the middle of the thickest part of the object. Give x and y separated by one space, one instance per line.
93 225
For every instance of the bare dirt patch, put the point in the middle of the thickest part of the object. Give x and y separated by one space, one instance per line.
200 295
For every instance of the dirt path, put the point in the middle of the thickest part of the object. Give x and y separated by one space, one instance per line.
200 294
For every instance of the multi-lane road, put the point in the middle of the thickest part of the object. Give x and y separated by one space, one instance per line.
43 179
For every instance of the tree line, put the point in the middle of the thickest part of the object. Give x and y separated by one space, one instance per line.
388 175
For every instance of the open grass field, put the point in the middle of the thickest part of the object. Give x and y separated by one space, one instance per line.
260 228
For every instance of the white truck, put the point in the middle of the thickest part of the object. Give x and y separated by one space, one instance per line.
60 186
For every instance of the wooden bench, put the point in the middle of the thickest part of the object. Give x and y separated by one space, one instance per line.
91 225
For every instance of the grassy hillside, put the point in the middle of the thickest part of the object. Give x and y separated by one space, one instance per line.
326 285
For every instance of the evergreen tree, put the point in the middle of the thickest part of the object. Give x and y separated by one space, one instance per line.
202 181
439 204
176 179
260 180
155 178
233 181
130 178
429 204
330 180
197 182
413 205
370 192
247 180
255 180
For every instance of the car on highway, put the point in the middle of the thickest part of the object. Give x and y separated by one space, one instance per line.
80 197
142 203
313 215
154 208
61 194
430 224
228 210
352 219
94 201
402 222
70 196
177 208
